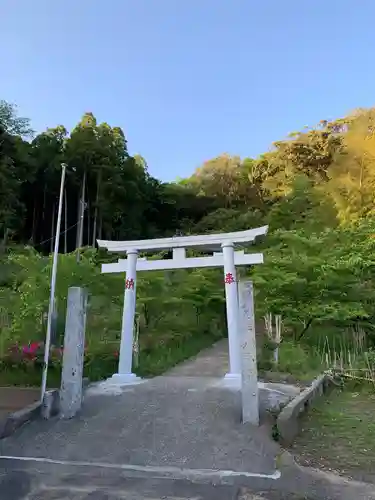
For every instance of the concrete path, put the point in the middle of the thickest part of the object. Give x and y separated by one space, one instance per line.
167 421
64 481
212 362
175 437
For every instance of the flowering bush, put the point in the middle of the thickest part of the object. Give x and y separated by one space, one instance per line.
32 355
22 364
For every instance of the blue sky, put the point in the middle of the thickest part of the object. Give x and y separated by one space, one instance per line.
188 80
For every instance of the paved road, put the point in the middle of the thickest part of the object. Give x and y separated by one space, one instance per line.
168 421
50 481
175 437
66 483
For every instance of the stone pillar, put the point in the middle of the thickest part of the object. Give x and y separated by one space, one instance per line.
125 374
73 357
250 395
231 295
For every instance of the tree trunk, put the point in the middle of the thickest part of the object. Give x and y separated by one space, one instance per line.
88 222
65 222
146 315
81 223
52 241
98 182
100 229
43 213
86 206
306 327
33 230
108 232
78 217
197 315
361 183
4 243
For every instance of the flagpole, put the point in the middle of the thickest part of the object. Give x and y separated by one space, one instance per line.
53 286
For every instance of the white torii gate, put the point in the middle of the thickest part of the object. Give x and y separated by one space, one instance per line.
228 258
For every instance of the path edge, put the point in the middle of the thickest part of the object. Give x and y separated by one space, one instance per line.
288 420
47 409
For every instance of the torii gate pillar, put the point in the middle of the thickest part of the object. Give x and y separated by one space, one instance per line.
125 374
231 295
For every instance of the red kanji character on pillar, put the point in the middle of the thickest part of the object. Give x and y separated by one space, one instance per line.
229 278
129 283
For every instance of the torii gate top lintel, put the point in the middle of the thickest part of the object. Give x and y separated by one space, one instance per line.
206 241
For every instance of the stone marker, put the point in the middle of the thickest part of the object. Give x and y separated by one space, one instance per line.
74 346
250 397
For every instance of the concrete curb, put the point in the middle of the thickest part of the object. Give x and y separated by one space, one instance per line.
48 409
51 404
15 420
288 423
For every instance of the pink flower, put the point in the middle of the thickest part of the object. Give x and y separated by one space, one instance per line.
30 351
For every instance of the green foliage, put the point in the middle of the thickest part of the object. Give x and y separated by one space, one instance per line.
295 358
304 207
228 220
315 190
300 361
179 312
325 276
12 123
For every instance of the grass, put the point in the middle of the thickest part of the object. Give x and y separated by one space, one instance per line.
297 364
339 433
22 378
323 347
103 364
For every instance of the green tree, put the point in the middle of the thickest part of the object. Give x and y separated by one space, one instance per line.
352 175
305 206
48 155
326 276
226 179
11 123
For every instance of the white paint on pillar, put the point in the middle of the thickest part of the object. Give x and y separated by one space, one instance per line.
250 396
231 295
125 374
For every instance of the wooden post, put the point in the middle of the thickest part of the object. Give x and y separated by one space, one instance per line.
250 397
